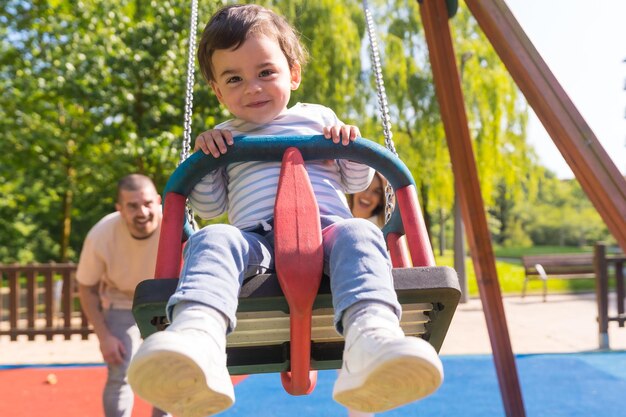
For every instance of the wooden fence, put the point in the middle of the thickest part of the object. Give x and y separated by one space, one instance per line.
40 299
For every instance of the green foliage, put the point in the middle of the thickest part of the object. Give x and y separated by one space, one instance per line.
494 111
564 216
91 91
511 272
86 98
333 75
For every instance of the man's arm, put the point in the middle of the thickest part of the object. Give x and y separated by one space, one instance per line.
111 347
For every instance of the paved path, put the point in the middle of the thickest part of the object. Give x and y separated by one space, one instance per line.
565 323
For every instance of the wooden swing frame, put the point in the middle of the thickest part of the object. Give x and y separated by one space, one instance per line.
594 169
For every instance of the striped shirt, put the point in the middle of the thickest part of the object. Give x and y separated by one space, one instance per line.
247 190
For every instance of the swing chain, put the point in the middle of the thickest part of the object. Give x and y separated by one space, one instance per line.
193 27
382 102
380 87
186 146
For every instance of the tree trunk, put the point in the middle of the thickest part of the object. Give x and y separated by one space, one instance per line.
68 199
428 221
442 231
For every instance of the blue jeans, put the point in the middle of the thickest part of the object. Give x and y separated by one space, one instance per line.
219 257
117 397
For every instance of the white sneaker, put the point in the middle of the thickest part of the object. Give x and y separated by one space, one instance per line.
382 370
183 373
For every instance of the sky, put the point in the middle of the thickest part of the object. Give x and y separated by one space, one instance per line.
584 44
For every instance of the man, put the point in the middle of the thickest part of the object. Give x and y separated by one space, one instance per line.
118 253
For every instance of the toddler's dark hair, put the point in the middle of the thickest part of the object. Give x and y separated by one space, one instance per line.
232 25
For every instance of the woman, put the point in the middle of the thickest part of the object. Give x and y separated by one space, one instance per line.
370 204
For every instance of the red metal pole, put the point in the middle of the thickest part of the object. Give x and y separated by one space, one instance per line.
414 227
170 241
397 250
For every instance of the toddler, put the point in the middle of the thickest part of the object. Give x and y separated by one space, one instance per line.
252 58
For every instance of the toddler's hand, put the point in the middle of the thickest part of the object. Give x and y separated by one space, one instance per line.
343 133
214 142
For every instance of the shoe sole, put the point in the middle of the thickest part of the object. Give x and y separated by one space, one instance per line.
399 378
173 381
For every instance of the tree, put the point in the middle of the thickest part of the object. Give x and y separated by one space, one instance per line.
563 215
332 76
87 97
496 114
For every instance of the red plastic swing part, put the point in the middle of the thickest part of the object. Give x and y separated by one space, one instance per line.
170 245
299 258
415 229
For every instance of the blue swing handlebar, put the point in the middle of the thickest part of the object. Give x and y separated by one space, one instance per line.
271 149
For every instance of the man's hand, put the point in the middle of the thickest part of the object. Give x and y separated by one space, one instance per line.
214 142
111 347
342 133
112 350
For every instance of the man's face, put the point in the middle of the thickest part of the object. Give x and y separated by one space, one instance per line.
141 210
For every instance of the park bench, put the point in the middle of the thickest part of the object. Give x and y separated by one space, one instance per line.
561 266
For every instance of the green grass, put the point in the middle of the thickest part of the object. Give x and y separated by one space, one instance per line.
511 272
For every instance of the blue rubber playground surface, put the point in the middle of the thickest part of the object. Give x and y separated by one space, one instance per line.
553 385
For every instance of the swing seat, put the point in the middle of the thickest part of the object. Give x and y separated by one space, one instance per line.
261 342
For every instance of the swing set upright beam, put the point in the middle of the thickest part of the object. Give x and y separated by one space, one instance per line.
434 15
593 168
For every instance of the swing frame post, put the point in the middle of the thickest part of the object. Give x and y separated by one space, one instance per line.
399 256
169 256
414 227
592 166
434 14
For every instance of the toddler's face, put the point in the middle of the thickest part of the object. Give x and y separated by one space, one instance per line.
254 81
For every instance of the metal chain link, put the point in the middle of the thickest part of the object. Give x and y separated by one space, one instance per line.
382 101
193 28
186 146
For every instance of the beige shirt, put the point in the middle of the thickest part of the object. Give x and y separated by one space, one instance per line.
116 261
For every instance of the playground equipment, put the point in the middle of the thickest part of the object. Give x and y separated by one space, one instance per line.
595 171
429 294
298 253
598 176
